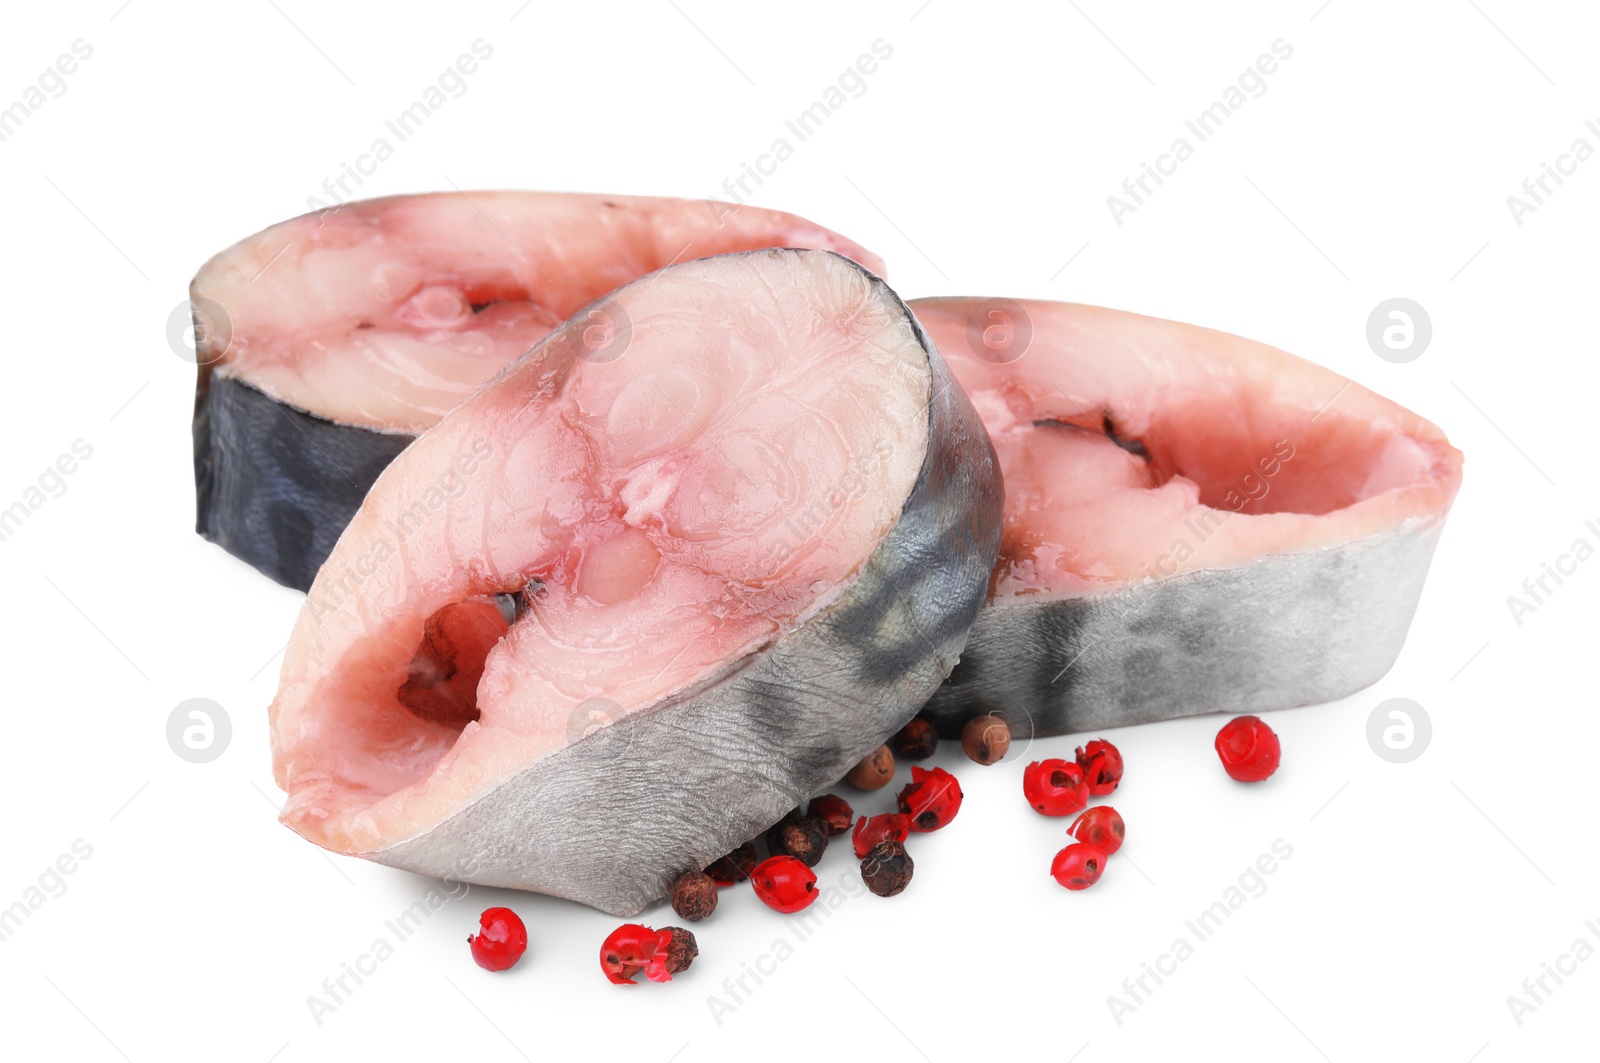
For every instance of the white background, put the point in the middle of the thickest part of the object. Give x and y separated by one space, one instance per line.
977 161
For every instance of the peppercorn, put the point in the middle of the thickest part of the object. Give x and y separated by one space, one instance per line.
874 829
887 868
917 740
681 949
735 867
1102 766
784 884
873 773
834 812
1249 749
986 739
931 799
694 896
804 838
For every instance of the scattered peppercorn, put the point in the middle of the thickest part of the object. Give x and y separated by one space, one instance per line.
887 868
931 799
735 867
874 829
784 883
1102 766
500 941
805 839
874 772
681 949
834 812
633 948
1055 787
694 896
774 835
1249 749
986 739
1078 866
1101 827
917 740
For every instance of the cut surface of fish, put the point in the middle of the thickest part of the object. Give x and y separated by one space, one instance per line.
327 342
1194 523
628 605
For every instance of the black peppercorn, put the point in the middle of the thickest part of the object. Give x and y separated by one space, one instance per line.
694 896
917 740
887 868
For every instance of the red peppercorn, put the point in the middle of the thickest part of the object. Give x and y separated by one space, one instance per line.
931 799
1055 787
1102 766
1078 866
871 830
784 883
917 740
1101 827
659 954
1248 748
735 867
834 812
500 941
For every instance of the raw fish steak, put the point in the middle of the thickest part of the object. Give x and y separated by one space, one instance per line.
1194 522
326 343
686 562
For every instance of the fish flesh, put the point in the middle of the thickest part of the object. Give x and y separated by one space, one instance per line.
708 544
1194 522
327 343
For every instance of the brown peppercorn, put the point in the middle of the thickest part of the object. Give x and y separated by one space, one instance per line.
887 868
874 772
694 896
682 949
774 835
735 867
834 812
917 740
986 739
804 838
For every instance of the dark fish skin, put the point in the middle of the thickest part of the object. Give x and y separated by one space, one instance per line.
1290 629
591 823
274 485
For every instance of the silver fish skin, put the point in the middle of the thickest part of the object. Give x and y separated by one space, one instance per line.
612 819
1288 630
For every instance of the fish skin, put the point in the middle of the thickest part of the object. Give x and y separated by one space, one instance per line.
1289 630
692 777
1292 626
277 482
274 486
